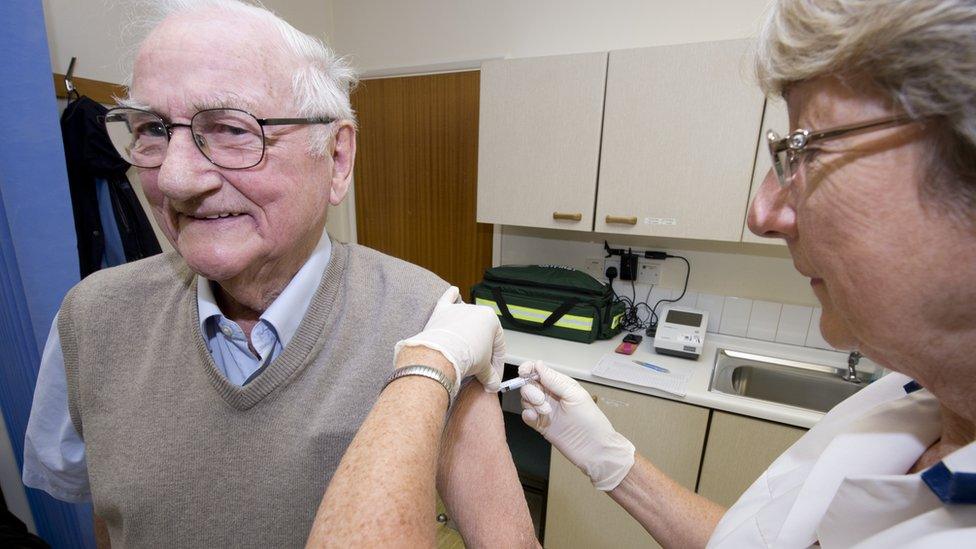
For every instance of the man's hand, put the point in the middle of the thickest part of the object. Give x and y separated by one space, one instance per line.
469 336
565 414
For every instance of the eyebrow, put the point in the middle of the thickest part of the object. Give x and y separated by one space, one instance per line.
131 103
217 101
223 101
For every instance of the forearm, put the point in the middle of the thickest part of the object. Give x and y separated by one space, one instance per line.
672 514
383 493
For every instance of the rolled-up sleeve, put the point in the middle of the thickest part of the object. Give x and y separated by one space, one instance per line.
54 453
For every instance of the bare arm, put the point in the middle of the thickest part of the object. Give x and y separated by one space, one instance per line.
672 514
477 478
382 494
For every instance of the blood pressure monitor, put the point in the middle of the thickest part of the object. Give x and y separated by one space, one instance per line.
681 332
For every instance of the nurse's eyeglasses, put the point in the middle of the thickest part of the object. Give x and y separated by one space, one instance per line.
229 138
787 152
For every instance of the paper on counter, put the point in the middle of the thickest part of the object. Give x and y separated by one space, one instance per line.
624 369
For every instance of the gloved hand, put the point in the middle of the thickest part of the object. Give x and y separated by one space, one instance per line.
563 412
469 336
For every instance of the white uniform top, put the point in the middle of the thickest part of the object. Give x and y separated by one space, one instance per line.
844 483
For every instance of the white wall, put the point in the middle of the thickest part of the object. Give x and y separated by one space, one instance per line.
13 489
754 271
92 31
385 37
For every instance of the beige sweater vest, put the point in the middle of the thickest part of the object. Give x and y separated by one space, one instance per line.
178 456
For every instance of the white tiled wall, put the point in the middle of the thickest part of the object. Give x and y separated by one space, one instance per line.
766 320
794 323
735 316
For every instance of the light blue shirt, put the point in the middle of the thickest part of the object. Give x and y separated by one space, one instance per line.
54 453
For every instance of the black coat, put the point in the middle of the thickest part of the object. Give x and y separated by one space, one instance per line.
90 156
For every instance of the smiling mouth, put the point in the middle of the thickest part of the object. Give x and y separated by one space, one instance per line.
223 215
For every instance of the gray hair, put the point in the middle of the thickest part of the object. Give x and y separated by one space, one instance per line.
320 85
920 52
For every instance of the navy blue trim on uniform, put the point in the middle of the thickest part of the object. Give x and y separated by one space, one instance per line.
951 487
912 386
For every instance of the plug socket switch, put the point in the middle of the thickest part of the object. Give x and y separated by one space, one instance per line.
628 267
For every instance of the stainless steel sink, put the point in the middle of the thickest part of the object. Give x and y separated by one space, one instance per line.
801 384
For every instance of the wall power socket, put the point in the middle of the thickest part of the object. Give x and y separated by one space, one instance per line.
648 272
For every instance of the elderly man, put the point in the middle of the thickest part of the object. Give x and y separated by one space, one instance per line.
205 397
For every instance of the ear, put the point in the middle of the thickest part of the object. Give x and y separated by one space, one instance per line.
343 158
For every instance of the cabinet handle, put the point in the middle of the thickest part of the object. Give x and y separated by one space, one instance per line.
561 216
621 220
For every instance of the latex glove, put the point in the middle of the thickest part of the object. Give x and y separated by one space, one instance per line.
469 336
565 414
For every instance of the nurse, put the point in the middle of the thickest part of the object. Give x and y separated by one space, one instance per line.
874 191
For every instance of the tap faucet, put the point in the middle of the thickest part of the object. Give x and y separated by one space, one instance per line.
852 360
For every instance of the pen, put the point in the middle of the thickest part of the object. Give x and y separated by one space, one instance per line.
654 367
516 383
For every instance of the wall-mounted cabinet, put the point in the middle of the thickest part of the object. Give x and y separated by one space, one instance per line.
775 118
667 150
539 140
679 139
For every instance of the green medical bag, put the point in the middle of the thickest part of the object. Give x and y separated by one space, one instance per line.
550 300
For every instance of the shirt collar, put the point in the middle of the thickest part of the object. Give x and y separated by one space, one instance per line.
953 480
287 310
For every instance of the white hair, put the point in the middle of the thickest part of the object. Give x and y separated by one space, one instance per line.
922 53
320 85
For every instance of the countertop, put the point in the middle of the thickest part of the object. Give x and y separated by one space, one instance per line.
577 359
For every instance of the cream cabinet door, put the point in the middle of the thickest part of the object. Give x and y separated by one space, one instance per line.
539 140
774 118
668 433
679 138
739 449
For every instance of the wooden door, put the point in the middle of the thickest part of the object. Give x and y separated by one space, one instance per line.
416 173
540 140
679 139
670 434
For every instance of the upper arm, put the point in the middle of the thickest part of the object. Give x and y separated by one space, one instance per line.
476 477
54 453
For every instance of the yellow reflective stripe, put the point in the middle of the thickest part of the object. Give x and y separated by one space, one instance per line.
616 321
571 322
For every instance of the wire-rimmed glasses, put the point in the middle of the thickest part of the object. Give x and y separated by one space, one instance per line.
229 138
787 152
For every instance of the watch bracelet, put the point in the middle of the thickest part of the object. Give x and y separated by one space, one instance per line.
423 371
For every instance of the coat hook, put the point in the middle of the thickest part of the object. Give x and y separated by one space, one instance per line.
69 84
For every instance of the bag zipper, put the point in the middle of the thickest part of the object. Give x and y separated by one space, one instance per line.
532 284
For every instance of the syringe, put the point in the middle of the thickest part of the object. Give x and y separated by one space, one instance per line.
517 383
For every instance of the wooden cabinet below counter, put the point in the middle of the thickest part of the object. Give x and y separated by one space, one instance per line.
670 434
719 453
739 449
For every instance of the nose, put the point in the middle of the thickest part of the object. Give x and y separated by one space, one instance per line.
185 173
772 214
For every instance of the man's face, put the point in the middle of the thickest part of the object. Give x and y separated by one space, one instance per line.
277 208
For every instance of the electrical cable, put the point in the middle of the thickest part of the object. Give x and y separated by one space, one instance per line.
654 318
631 319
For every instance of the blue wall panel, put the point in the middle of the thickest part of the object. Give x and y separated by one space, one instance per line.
38 255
